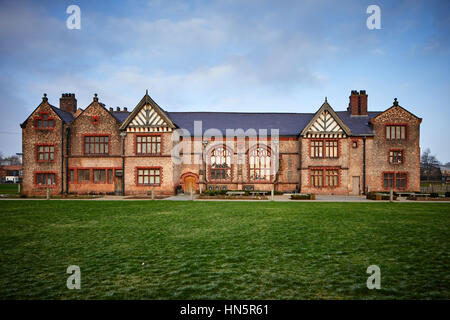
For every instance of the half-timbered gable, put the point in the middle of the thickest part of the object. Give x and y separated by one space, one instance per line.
326 124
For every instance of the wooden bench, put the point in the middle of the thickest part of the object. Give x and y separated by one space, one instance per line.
258 193
234 193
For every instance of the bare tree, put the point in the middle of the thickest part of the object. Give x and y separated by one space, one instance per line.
429 167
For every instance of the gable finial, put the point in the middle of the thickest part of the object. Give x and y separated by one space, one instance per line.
95 97
44 98
146 92
395 102
326 99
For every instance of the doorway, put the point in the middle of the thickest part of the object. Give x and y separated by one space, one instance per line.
118 183
356 186
189 183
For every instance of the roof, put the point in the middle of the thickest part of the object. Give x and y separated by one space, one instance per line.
65 116
289 124
120 115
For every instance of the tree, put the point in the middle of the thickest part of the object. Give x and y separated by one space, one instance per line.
429 167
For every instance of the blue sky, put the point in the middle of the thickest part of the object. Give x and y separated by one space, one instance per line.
247 55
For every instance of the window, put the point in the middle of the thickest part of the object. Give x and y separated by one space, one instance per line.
259 164
331 178
44 122
45 179
148 144
149 176
396 132
83 175
388 180
95 120
397 180
99 175
331 149
317 178
396 156
400 181
324 177
355 144
96 145
110 175
316 148
45 152
324 148
220 167
72 175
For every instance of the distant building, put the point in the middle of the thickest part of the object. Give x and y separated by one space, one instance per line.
100 150
11 173
445 171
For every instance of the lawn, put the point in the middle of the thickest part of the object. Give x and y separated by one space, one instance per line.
223 250
8 188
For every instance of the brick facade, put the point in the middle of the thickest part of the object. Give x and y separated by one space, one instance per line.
95 151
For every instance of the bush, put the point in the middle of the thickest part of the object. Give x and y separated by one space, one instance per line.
447 194
434 195
305 196
379 196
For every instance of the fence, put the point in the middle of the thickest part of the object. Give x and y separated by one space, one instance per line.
438 188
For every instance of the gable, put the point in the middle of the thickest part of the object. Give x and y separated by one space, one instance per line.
396 113
326 124
95 109
147 116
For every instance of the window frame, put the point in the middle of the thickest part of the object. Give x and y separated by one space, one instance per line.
89 154
40 117
395 125
55 179
395 179
91 170
151 144
137 175
260 169
324 177
39 145
322 148
211 169
402 151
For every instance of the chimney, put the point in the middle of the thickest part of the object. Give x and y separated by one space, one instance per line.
358 103
111 109
118 109
125 109
68 103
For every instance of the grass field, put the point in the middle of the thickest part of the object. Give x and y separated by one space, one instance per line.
8 188
223 250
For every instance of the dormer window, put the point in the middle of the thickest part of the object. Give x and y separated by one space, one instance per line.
44 122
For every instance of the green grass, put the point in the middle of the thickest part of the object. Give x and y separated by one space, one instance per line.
8 188
223 250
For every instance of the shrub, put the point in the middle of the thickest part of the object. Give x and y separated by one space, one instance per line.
434 195
447 194
304 196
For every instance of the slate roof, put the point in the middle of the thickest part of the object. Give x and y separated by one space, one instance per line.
120 116
289 124
65 116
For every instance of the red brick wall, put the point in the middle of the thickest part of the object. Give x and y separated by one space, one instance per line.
30 138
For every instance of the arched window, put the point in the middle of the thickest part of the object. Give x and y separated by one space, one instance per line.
220 164
259 164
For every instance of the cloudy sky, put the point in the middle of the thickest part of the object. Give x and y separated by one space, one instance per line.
242 55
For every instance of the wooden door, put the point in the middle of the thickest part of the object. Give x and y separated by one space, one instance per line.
189 182
118 185
356 187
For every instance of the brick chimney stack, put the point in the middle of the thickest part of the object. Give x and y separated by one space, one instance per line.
358 103
68 103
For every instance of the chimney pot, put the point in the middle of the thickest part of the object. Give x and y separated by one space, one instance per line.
68 103
111 109
118 109
125 109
